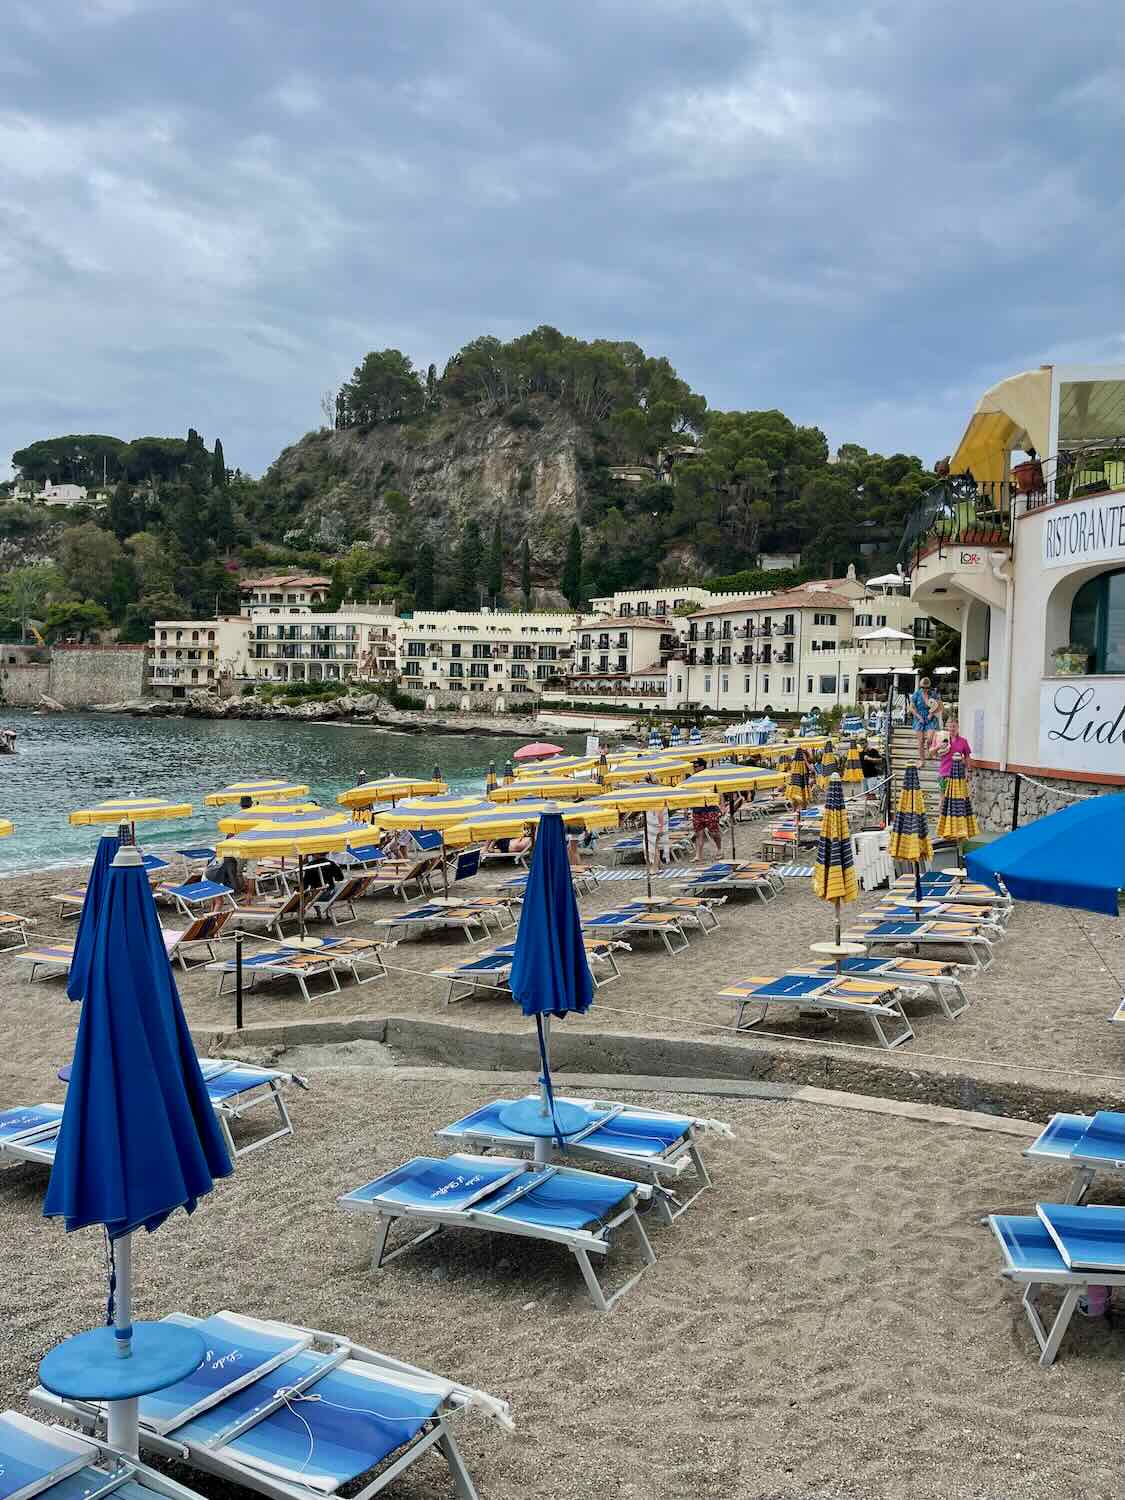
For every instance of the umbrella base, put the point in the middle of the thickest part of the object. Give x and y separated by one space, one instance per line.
88 1367
526 1116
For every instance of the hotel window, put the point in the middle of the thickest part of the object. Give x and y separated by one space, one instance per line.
862 620
707 683
824 619
787 686
662 606
828 684
1097 621
412 669
455 648
679 684
766 683
845 685
626 611
724 683
642 607
415 648
746 684
808 685
519 673
880 620
456 669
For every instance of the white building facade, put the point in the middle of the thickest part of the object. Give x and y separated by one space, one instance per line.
1025 556
197 656
460 655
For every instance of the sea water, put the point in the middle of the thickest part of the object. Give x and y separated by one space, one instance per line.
67 761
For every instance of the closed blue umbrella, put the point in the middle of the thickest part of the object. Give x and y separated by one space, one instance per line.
550 976
138 1140
108 845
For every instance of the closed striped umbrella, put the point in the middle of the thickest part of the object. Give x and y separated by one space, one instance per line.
834 876
259 789
827 767
853 771
390 789
910 834
560 788
798 792
956 820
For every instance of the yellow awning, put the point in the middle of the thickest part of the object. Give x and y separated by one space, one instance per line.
1015 413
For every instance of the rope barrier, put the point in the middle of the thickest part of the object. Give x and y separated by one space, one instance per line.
1055 790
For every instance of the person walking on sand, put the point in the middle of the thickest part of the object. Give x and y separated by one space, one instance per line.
926 721
705 821
656 831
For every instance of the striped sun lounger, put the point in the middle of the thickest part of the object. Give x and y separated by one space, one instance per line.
23 1128
13 929
628 922
939 884
1088 1143
941 979
56 1464
877 931
303 1415
585 879
491 971
659 1146
236 1089
694 911
947 911
459 916
581 1211
1065 1245
47 960
761 882
875 1000
276 964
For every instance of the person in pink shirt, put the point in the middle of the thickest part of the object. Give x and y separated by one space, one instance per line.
958 745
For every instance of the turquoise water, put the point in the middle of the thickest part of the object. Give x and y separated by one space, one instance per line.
65 761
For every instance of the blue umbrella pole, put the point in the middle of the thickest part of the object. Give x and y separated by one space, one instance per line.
122 1429
918 881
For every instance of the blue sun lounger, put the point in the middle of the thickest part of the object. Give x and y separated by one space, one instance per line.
53 1463
236 1089
471 920
628 921
190 896
761 882
585 879
935 908
695 911
877 931
657 1145
1069 1246
942 885
941 979
23 1128
489 972
1088 1143
310 1413
507 1195
835 994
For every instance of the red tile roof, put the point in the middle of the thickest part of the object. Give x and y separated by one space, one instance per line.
288 580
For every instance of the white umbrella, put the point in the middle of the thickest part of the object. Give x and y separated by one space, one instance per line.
945 671
886 580
886 633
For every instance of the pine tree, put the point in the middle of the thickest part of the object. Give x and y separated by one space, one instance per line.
496 563
572 567
424 577
525 573
469 566
218 467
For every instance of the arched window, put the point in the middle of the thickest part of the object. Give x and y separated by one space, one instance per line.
1097 621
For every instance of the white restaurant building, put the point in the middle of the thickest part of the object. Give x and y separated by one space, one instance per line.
1024 554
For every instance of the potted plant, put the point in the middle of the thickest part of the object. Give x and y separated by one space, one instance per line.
1028 476
1072 660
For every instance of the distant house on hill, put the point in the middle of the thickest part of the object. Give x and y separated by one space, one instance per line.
285 588
62 494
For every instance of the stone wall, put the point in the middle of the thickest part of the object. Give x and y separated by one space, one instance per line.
82 676
993 793
22 684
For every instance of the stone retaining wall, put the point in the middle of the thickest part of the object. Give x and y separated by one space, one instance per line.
23 684
82 676
993 793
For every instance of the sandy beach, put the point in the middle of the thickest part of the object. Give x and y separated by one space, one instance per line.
828 1322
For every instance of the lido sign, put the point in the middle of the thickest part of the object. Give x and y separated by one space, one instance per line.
1082 725
1092 531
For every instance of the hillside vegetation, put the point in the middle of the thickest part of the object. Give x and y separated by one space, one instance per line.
493 480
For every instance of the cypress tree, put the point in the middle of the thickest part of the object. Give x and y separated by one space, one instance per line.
469 566
572 567
424 577
525 573
496 563
218 467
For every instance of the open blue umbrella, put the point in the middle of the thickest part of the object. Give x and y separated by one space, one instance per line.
96 883
138 1140
550 977
1075 857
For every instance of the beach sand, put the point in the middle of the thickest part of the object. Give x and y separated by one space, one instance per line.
828 1322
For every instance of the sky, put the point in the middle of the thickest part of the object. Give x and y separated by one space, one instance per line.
861 214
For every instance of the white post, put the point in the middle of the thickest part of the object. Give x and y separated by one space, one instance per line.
122 1426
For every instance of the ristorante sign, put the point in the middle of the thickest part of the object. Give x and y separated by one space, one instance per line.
1082 725
1091 531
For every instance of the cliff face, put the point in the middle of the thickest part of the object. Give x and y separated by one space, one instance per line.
329 489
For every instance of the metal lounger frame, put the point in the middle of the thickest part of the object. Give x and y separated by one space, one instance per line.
53 968
90 1418
1033 1282
971 942
890 1009
15 925
664 932
125 1468
466 925
580 1242
937 984
267 1092
251 973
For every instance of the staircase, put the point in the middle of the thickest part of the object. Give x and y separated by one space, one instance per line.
904 752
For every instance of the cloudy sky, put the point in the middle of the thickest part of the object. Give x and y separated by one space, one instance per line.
860 214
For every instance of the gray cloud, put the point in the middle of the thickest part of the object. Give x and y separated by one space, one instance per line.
863 217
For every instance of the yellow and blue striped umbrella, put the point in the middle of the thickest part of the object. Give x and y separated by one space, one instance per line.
910 833
511 822
292 840
434 814
390 789
798 792
622 773
130 810
560 765
827 766
730 779
560 788
834 877
252 817
6 828
957 820
853 771
644 799
260 789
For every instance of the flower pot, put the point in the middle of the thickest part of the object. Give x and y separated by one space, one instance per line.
1028 476
1071 661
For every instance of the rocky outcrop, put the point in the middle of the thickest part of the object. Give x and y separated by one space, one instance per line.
48 705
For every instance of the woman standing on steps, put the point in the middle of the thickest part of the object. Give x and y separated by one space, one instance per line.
927 717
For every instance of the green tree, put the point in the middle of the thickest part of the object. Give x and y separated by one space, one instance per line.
123 514
152 563
496 563
141 616
26 593
424 577
572 567
525 573
75 618
87 555
384 388
469 560
218 467
79 458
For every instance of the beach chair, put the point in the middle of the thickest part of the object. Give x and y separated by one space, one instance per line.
941 979
658 1145
627 922
877 931
496 908
193 895
580 1211
46 960
890 908
204 932
353 954
304 1414
54 1463
692 911
272 912
459 916
941 885
761 883
368 856
23 1128
237 1089
1070 1246
1088 1143
13 930
279 964
836 995
490 972
584 878
69 903
336 903
401 877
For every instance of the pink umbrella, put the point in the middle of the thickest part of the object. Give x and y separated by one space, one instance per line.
538 751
